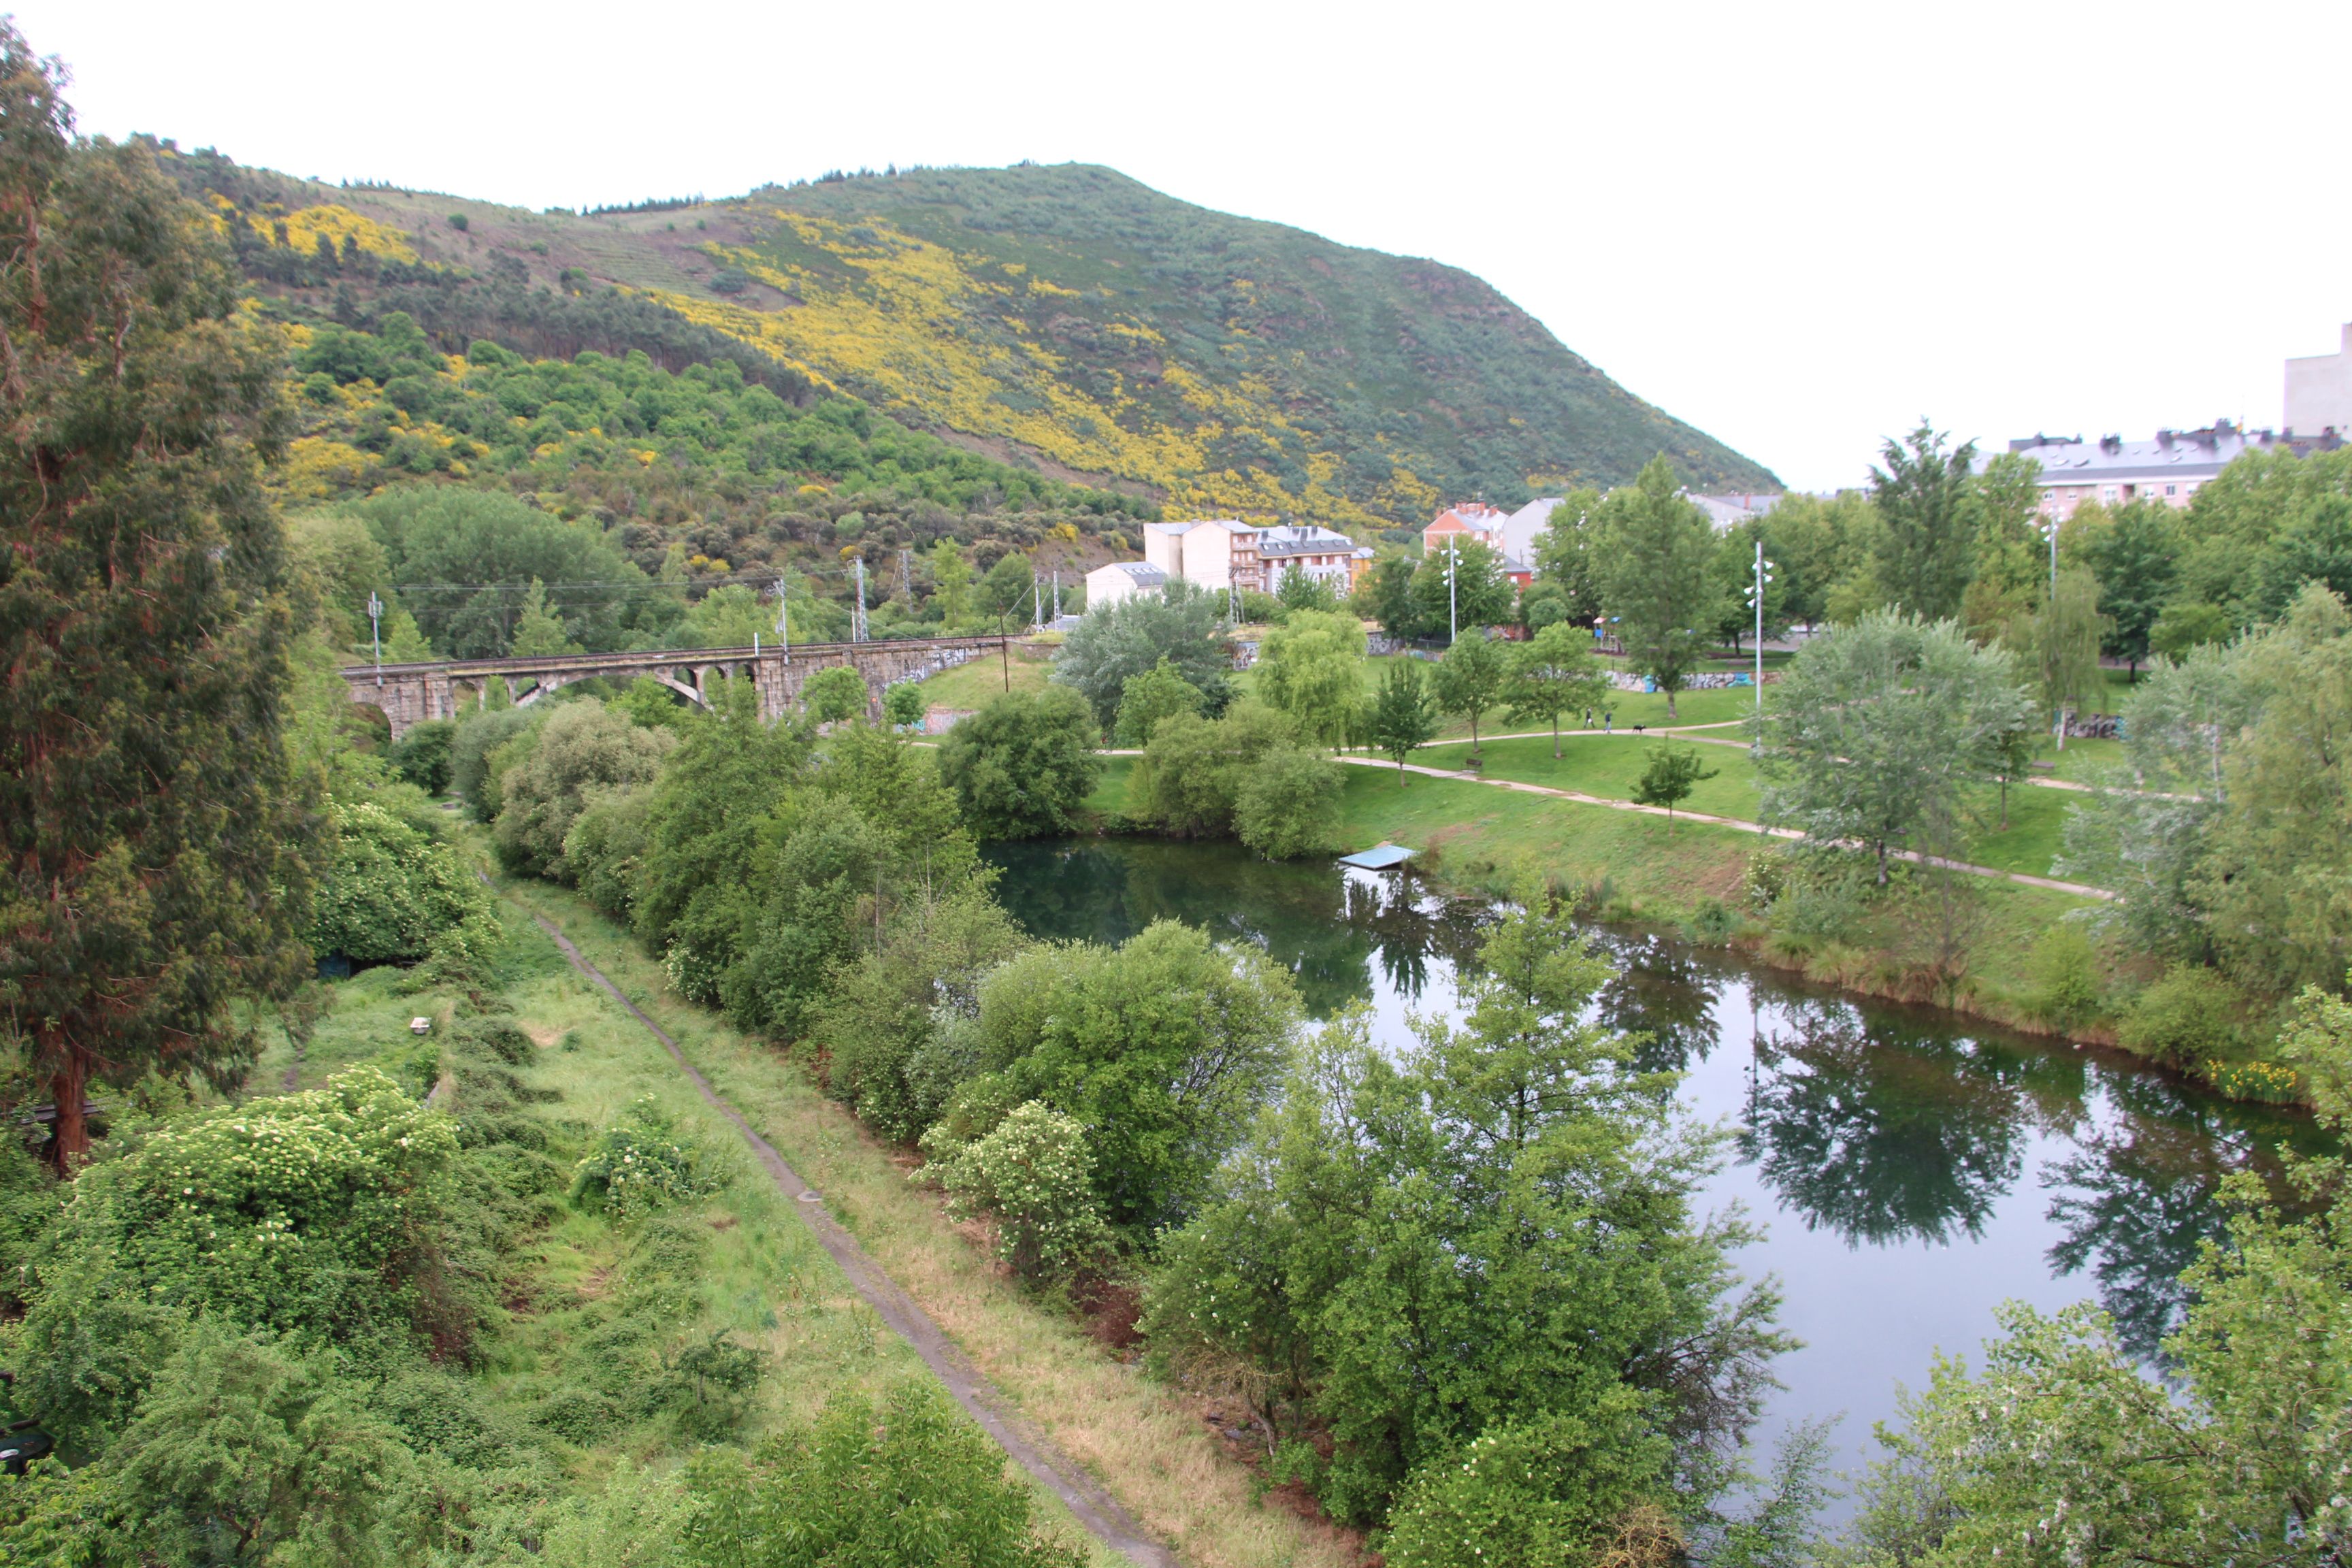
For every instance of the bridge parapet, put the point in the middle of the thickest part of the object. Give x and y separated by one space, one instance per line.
411 693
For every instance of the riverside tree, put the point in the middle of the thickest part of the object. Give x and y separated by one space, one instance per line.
1657 576
1554 672
1471 679
159 847
1925 497
1881 734
1673 772
1402 717
1311 668
1021 766
1182 624
1487 1237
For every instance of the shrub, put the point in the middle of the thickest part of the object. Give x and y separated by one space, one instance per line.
582 747
392 893
2064 975
833 695
2185 1018
639 1165
858 1487
1023 766
1190 777
607 845
422 756
478 737
1147 697
903 704
321 1211
1035 1174
1553 1488
1284 808
250 1452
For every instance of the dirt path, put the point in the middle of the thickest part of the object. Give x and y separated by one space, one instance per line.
1096 1510
2022 878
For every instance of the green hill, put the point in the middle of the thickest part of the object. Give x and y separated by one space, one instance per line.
1066 319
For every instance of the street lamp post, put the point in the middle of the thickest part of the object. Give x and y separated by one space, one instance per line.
1756 598
1453 617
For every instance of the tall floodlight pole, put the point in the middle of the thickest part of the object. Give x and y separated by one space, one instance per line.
1036 603
375 630
1756 597
783 605
858 623
1452 619
2049 527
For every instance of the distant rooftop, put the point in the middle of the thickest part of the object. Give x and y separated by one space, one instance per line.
2199 452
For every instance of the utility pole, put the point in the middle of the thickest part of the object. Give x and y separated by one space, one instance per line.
1057 594
1756 597
1005 649
858 621
1036 603
375 630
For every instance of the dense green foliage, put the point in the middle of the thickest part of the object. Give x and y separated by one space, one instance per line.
2225 840
1022 766
1245 774
1311 668
1881 735
861 1487
1183 624
394 892
1487 1238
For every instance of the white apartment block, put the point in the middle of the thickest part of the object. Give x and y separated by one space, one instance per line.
2319 393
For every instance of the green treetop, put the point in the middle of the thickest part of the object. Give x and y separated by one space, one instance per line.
1657 576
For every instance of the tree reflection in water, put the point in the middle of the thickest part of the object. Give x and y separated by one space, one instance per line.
1326 929
1881 1142
1878 1124
1664 993
2136 1197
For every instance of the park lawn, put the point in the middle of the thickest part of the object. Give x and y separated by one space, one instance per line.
1640 867
1110 792
1131 1432
1609 765
972 685
2083 762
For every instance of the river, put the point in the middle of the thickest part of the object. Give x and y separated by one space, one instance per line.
1911 1170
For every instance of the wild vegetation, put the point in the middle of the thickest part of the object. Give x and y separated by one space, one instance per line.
1064 313
434 1262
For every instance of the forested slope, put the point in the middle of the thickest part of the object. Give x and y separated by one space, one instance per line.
1066 316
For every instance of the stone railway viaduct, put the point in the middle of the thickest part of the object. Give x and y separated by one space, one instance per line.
411 693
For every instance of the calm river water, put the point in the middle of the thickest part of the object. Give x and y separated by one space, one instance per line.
1911 1170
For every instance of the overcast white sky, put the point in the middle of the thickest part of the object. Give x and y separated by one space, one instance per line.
1798 227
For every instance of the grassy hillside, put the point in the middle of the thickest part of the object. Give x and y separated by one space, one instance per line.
1065 318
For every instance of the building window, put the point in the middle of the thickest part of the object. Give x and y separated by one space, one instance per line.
2172 489
2108 492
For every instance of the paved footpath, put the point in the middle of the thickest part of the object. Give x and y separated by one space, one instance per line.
2078 889
1096 1510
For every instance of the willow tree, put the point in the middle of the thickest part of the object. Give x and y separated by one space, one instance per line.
156 842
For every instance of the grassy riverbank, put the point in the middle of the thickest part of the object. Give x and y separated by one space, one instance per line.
1690 877
1148 1444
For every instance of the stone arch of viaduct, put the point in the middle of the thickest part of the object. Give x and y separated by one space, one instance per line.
411 693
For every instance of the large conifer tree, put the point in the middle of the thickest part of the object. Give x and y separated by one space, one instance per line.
155 841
